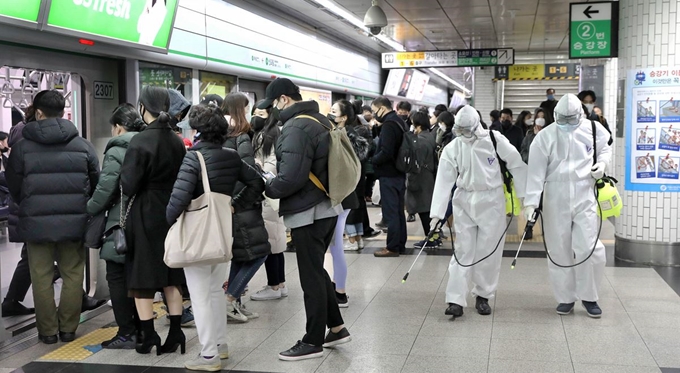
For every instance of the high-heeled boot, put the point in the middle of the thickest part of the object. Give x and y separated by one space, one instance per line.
176 337
148 338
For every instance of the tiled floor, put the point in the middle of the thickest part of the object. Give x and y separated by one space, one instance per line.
402 327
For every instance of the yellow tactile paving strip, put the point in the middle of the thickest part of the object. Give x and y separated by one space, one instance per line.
76 351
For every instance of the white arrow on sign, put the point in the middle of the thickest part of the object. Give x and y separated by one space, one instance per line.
506 56
591 11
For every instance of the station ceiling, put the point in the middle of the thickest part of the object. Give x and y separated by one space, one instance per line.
526 25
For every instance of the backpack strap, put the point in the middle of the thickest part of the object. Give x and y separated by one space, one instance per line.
592 122
313 177
507 177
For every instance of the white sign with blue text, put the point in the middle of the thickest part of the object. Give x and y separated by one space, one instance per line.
653 130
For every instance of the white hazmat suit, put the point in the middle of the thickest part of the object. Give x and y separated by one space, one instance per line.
561 167
478 204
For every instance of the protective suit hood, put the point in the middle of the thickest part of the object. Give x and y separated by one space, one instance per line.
569 106
468 119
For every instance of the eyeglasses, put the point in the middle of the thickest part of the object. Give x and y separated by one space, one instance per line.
463 131
573 120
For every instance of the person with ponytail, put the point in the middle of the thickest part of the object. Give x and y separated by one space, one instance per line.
125 124
148 174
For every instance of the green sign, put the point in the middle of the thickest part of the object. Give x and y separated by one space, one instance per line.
593 31
143 22
26 10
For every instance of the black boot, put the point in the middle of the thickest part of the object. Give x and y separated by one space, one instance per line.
176 337
454 310
148 338
482 306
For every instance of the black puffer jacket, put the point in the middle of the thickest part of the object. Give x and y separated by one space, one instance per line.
51 175
15 134
250 235
302 148
225 169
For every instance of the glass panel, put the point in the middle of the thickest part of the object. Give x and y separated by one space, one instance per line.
170 77
218 84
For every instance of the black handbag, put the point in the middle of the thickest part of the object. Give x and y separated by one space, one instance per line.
94 233
118 230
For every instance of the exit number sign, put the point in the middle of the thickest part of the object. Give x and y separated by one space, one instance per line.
594 29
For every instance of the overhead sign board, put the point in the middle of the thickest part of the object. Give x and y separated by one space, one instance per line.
451 58
594 29
139 23
17 12
564 71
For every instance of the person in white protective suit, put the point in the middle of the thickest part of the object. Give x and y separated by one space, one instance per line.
471 162
561 167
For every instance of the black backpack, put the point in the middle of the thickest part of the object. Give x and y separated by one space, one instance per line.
507 176
407 156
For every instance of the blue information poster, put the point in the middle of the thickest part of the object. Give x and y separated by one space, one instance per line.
653 130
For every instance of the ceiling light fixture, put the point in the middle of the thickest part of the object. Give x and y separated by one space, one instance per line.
448 79
358 23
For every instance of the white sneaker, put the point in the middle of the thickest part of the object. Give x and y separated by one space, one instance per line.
267 293
349 246
234 312
223 350
207 365
249 314
360 243
284 292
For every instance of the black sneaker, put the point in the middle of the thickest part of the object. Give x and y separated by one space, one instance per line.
411 219
120 342
593 309
564 308
301 351
482 306
334 339
454 310
67 337
372 233
343 300
48 339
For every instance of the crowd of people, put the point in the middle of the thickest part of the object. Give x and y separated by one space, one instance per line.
275 167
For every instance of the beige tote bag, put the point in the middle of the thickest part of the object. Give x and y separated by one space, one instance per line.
203 233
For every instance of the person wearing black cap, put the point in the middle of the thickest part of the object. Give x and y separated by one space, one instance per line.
303 148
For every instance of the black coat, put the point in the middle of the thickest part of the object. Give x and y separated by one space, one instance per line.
51 175
302 148
548 107
251 240
15 134
362 140
391 136
421 185
514 134
149 171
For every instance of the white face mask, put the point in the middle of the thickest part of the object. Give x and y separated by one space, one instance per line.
442 126
529 122
413 128
590 107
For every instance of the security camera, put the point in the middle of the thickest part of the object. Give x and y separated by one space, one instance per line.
375 18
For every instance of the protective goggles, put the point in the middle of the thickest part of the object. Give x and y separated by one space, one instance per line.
463 131
572 120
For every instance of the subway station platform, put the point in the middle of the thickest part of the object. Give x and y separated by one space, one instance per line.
400 327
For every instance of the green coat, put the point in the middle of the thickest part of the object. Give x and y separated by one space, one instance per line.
107 194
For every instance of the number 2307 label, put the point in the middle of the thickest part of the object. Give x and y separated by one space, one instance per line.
103 90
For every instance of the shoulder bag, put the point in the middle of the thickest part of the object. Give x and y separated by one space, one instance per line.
118 230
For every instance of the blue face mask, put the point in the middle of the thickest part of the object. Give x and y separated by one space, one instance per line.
551 97
566 127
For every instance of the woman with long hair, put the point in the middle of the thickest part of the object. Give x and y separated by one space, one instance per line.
251 244
125 124
147 176
524 121
224 168
342 113
266 133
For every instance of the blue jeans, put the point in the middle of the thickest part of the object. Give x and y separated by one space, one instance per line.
240 275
